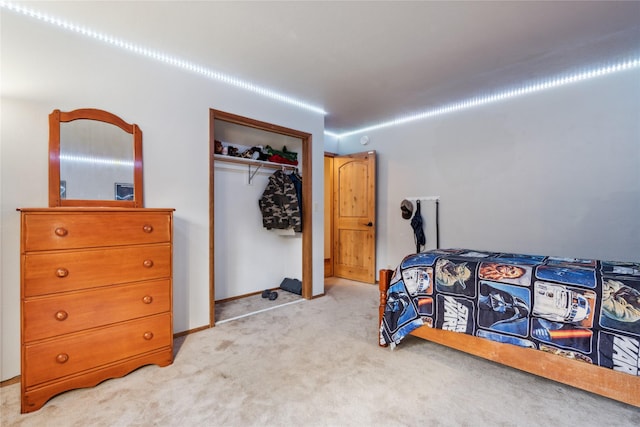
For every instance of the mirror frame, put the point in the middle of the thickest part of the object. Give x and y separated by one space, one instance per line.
57 117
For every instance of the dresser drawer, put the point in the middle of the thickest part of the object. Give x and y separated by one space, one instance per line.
73 354
62 314
52 272
69 230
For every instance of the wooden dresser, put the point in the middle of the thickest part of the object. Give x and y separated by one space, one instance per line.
96 296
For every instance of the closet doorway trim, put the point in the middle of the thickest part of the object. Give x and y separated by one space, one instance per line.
307 202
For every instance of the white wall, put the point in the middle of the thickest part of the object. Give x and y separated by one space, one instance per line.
553 173
44 68
248 258
331 144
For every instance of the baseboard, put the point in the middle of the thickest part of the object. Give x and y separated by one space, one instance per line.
328 267
190 331
242 296
10 381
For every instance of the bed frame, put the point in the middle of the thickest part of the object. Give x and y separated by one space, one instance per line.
595 379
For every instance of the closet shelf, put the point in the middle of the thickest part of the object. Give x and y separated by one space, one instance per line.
252 162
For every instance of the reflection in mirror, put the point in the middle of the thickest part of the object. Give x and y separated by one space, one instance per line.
96 161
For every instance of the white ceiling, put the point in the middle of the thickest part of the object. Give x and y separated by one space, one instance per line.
371 61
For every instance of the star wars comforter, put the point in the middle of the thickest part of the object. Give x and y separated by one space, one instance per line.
579 308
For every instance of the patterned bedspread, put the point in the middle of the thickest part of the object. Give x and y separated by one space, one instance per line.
579 308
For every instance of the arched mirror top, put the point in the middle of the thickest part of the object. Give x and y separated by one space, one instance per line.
95 159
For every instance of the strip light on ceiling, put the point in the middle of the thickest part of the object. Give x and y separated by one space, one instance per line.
499 96
214 75
161 57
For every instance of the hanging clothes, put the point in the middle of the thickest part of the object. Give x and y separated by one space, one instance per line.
418 232
297 183
279 204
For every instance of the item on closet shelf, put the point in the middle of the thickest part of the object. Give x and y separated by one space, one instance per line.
291 285
254 153
217 148
284 156
263 155
271 295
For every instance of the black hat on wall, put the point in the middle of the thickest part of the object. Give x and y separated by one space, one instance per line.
407 209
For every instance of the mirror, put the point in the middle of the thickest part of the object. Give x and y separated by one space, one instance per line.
95 159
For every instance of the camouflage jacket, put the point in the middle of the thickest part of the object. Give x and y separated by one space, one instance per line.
279 204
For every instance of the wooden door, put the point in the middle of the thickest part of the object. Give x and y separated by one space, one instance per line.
354 216
328 214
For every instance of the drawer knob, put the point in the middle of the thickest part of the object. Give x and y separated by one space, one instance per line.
147 299
61 232
62 315
147 228
148 335
62 358
148 263
62 272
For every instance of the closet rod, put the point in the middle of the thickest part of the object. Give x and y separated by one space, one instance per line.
413 199
258 163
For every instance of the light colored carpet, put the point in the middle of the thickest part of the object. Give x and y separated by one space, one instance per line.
317 363
251 305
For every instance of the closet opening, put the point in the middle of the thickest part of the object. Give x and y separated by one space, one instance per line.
245 258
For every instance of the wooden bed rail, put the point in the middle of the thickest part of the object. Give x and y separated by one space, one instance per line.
383 285
592 378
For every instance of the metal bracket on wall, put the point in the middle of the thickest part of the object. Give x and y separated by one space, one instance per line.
251 175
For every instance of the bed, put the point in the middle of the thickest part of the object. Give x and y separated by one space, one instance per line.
575 321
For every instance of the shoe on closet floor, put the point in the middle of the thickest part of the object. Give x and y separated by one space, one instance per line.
268 293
